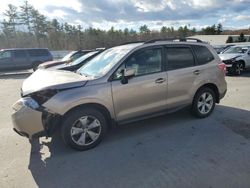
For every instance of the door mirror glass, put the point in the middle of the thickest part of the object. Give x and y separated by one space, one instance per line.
128 73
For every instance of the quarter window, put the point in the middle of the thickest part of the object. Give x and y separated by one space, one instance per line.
145 62
179 57
203 55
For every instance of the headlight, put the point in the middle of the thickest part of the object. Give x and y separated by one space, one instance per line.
233 60
27 101
43 96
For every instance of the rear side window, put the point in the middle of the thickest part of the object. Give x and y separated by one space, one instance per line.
19 53
38 52
179 57
203 55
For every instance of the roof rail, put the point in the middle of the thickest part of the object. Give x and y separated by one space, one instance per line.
174 39
132 42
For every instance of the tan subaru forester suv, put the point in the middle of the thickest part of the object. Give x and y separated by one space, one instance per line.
122 84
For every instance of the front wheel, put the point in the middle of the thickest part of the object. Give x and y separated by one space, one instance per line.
203 103
238 68
83 129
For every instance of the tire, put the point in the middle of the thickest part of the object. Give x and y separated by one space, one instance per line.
203 103
83 128
238 68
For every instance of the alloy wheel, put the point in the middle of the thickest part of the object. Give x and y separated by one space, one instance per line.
205 103
239 68
86 130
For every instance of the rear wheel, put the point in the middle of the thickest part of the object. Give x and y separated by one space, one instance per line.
238 68
203 103
83 129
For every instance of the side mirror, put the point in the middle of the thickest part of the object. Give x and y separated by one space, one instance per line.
127 74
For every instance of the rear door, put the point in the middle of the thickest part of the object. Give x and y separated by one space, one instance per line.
146 92
182 74
20 59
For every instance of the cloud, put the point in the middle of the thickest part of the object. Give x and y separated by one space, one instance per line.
242 17
155 13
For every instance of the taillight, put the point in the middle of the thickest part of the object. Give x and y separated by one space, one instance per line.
222 67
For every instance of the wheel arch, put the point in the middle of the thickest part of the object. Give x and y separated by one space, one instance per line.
97 106
213 87
243 62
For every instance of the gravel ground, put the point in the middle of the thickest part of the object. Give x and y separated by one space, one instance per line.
176 150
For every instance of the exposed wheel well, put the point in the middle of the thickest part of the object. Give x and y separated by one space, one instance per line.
96 106
243 62
214 88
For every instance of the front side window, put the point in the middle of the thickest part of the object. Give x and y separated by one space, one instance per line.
145 62
179 57
5 54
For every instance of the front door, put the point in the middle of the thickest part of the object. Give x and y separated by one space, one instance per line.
146 92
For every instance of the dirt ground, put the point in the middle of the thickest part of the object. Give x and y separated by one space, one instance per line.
176 150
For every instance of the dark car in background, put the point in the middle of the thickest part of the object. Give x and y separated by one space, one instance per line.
66 59
74 65
23 58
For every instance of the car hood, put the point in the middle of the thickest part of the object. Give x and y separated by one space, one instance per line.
60 66
44 79
229 56
50 64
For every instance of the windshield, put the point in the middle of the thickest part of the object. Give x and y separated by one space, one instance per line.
236 50
67 57
103 62
82 58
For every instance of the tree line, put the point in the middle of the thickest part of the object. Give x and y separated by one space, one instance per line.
25 26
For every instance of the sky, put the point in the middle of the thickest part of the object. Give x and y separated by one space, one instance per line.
103 14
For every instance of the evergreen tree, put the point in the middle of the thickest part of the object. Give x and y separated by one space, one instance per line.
26 15
241 38
229 39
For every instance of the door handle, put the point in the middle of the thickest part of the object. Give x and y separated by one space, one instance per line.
197 72
160 80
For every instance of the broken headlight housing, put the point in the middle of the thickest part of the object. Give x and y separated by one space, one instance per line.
43 96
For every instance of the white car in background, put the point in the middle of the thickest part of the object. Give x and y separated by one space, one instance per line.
236 58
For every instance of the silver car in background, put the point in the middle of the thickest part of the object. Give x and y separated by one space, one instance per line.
236 58
120 85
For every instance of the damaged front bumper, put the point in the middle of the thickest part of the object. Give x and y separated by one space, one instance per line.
28 120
